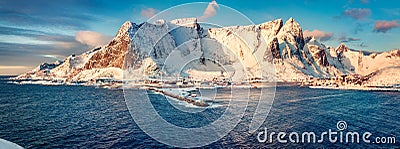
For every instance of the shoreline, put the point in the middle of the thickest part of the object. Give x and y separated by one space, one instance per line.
114 85
381 89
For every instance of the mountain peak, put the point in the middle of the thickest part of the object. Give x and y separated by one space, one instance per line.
342 45
312 39
189 22
276 21
144 53
127 23
342 48
292 23
274 25
292 32
159 22
126 27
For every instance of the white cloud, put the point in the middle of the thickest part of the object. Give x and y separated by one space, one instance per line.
210 10
317 34
358 13
91 38
383 25
13 67
148 13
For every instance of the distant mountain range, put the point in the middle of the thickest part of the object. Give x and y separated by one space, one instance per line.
267 51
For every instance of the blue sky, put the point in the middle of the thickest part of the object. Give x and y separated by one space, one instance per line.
43 31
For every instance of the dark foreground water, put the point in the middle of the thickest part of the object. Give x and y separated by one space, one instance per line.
36 116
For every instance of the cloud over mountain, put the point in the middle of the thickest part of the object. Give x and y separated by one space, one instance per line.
210 10
91 38
348 39
321 35
357 13
384 26
148 12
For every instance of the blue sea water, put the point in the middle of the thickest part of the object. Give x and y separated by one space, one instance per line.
37 116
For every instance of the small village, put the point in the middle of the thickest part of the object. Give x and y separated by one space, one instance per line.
342 81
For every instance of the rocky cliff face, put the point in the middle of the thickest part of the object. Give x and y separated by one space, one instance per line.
155 48
113 54
291 35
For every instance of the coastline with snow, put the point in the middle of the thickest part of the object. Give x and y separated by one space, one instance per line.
360 88
121 85
279 49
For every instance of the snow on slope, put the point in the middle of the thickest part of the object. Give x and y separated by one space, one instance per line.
385 77
99 73
376 61
239 43
72 63
268 50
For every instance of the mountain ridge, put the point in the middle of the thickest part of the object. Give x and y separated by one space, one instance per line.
145 48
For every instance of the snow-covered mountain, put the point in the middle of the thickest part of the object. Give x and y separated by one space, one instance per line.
268 51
